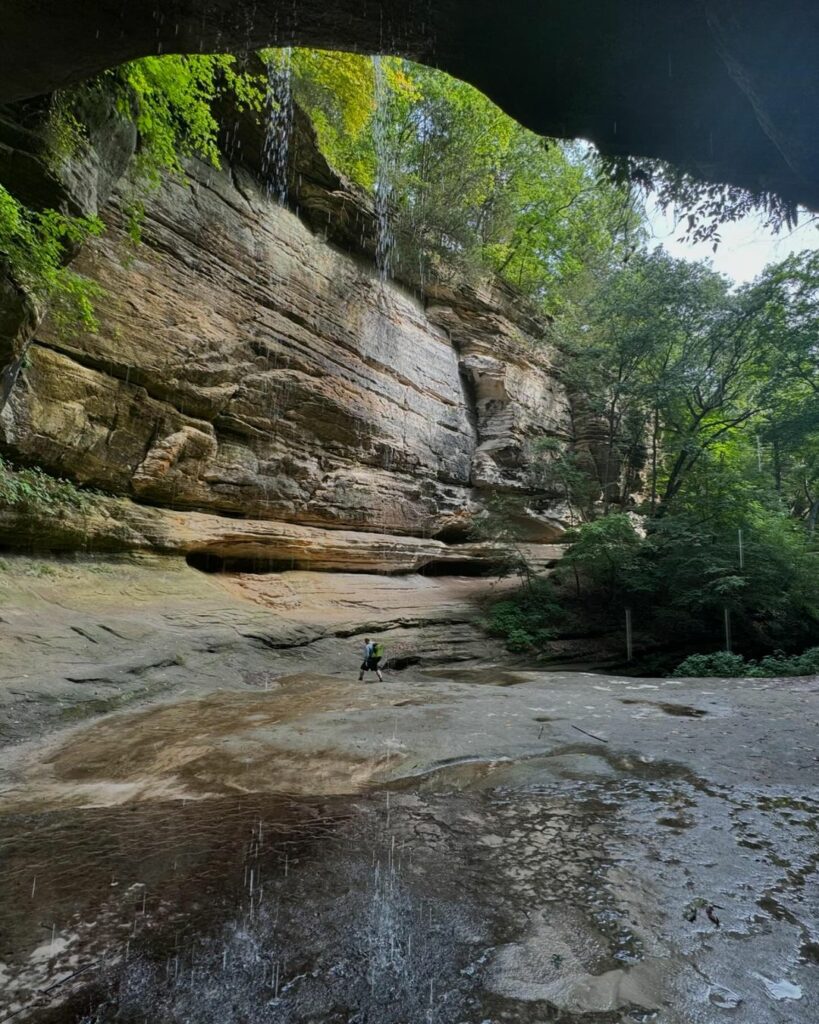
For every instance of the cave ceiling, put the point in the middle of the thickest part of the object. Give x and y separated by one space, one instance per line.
727 89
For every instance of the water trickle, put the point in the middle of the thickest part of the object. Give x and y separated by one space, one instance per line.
279 124
385 239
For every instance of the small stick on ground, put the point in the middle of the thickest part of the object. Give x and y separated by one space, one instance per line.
600 738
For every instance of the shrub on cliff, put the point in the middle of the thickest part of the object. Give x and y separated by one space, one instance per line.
171 100
35 244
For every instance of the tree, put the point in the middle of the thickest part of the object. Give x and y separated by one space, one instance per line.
470 187
664 355
789 327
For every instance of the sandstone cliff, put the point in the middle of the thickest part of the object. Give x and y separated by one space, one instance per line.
250 364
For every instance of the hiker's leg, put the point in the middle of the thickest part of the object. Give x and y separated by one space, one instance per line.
380 677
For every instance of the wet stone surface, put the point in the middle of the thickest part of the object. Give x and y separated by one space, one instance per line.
483 894
391 907
485 863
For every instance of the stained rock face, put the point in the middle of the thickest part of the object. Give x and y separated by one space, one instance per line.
246 366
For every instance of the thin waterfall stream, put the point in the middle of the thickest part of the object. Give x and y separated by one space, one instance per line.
385 239
279 102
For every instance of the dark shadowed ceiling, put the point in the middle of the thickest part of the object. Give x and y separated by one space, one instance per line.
728 89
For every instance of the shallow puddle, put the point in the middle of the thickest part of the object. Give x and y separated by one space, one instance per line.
481 676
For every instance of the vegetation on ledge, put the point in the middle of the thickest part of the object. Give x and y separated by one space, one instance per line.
35 245
171 102
33 490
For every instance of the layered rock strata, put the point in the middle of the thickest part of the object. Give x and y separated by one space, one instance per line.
214 543
248 367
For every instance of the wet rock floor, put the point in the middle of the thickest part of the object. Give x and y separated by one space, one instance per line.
534 848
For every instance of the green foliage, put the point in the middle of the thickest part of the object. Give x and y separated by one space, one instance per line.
665 358
560 471
528 619
171 101
733 666
772 596
604 555
65 132
337 90
788 435
475 188
724 544
805 664
702 206
33 490
35 244
470 186
720 665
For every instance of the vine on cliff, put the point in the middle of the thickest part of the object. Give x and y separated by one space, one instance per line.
171 101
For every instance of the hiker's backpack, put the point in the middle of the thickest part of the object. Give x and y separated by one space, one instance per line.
378 650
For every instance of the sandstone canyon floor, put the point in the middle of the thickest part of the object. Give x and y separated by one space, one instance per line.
205 817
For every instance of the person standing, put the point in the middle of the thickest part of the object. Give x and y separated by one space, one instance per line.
373 652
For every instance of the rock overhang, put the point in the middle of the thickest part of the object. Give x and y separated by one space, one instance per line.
728 91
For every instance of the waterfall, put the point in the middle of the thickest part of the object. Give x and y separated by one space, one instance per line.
385 240
279 124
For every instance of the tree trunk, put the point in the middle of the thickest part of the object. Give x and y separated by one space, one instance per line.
813 514
777 466
655 432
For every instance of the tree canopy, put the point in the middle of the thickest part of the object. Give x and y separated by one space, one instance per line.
469 186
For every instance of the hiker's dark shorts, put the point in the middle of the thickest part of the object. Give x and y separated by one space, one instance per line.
370 665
